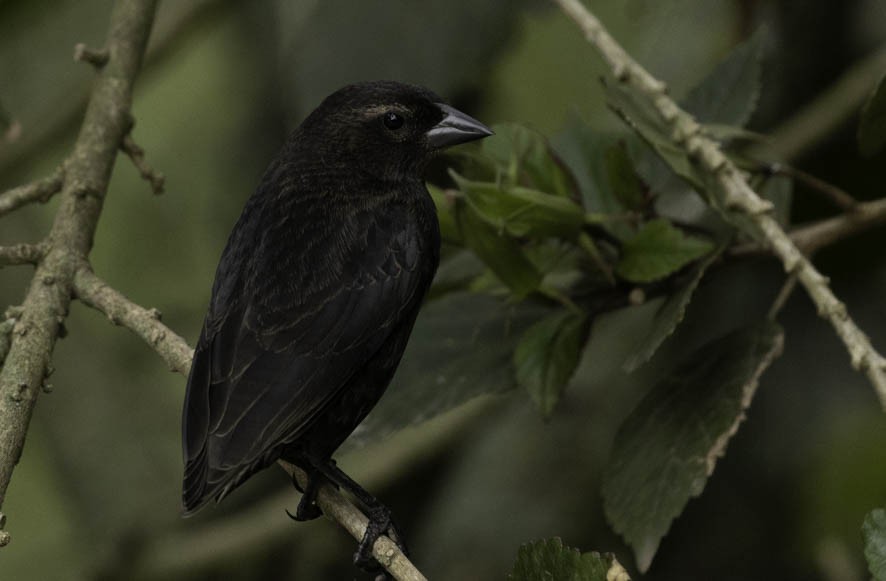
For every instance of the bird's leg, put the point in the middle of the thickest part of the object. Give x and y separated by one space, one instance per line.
381 520
307 507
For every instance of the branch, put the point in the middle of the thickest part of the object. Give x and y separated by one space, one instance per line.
21 254
813 237
145 323
87 173
730 185
137 156
39 191
178 355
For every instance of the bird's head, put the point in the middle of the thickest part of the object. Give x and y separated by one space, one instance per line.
387 129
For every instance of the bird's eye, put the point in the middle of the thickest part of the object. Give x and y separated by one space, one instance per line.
392 121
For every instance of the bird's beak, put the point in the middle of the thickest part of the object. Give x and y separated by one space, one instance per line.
456 127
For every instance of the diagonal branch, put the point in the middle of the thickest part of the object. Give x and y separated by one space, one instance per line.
137 156
39 191
145 323
87 173
177 354
733 191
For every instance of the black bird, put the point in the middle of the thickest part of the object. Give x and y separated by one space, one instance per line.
316 294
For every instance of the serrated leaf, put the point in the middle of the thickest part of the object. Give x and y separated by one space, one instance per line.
872 125
874 531
547 355
461 347
725 97
550 560
728 95
445 214
635 110
657 250
503 255
667 448
669 315
623 178
526 158
522 211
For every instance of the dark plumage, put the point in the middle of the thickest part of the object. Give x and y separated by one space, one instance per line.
317 289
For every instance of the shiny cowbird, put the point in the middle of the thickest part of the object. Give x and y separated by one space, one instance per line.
316 294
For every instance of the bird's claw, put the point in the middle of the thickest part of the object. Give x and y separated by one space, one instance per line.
307 507
380 522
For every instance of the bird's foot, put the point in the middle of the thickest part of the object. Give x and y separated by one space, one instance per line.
380 522
307 507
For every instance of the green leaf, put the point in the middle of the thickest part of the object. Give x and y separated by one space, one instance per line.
669 315
728 95
623 178
461 348
503 255
874 531
550 560
526 158
521 211
583 149
666 449
448 228
635 110
872 125
657 250
547 356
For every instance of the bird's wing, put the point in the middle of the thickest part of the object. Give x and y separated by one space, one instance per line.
267 363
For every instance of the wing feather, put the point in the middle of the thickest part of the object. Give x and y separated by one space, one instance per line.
268 362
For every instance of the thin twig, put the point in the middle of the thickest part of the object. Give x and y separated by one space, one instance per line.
21 254
812 237
733 192
835 195
96 57
137 155
178 354
781 299
145 323
39 191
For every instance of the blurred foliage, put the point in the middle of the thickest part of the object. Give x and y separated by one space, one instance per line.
577 249
548 560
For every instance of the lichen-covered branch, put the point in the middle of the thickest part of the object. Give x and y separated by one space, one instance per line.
145 323
731 188
178 354
39 191
21 254
83 187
